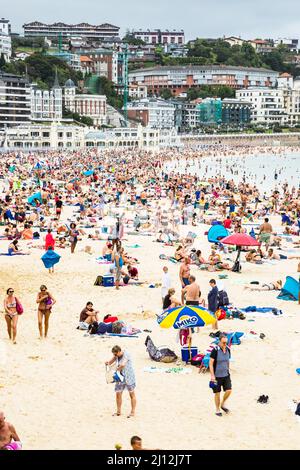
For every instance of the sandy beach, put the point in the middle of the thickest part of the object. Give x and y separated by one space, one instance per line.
54 390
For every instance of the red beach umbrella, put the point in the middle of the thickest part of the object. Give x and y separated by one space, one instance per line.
239 239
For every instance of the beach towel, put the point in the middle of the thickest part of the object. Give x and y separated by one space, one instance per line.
122 335
50 258
169 370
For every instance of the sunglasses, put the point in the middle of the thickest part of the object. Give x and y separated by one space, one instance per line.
43 290
11 291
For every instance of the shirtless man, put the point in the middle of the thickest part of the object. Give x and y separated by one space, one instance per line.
191 292
9 439
265 232
184 272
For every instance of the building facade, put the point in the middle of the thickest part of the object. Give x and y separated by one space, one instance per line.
210 111
52 136
83 30
137 92
291 44
46 105
70 137
153 113
158 36
235 112
268 106
181 78
5 39
15 100
101 62
93 106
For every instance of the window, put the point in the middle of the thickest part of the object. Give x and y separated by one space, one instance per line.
46 134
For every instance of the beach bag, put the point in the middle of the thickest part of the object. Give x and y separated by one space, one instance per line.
19 307
220 314
99 281
48 303
223 298
197 360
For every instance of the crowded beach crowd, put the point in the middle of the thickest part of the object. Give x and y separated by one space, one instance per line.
54 200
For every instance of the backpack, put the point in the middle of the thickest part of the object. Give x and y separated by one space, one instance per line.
223 298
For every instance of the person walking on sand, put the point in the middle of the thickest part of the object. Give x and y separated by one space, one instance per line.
118 260
220 374
45 303
11 314
125 367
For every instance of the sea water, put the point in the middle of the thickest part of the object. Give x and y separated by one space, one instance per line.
267 172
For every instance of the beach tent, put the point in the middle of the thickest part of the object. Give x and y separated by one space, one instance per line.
37 196
88 173
216 233
290 290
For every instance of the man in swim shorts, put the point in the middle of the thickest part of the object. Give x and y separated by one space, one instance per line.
265 233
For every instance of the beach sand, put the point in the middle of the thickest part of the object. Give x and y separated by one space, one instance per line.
54 391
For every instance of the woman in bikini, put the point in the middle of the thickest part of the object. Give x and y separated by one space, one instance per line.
11 314
45 303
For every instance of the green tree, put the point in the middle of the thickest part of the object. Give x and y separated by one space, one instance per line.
131 40
166 94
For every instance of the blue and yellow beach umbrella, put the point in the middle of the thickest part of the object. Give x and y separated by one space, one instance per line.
186 316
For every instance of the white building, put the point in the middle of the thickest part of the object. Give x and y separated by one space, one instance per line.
291 44
14 100
38 136
267 104
46 105
71 137
152 112
158 36
137 92
5 39
84 30
93 106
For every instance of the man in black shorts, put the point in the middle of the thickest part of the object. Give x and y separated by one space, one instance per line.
220 375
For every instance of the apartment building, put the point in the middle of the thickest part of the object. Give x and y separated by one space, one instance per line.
84 30
5 39
158 36
93 106
154 113
268 106
15 100
180 78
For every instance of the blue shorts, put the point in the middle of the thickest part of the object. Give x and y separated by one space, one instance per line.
186 281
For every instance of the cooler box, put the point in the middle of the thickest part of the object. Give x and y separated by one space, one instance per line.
108 281
107 257
104 229
187 353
